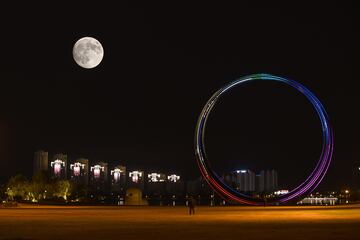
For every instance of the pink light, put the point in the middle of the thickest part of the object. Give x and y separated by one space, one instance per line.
116 176
57 169
76 171
97 169
97 173
57 164
135 176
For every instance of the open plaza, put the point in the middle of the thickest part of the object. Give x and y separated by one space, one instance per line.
107 222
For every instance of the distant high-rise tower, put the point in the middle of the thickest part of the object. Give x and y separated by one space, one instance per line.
79 171
267 181
118 178
241 180
41 161
174 185
136 179
260 181
271 180
99 177
156 183
59 166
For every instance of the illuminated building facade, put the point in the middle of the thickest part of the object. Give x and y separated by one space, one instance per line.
136 176
155 187
136 179
175 187
102 184
319 201
156 177
173 178
118 178
58 166
99 178
41 162
79 171
118 184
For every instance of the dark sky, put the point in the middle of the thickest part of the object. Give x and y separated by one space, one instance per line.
139 107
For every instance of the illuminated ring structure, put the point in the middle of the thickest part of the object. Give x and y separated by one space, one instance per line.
313 180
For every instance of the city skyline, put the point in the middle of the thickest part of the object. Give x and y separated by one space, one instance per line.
99 182
61 166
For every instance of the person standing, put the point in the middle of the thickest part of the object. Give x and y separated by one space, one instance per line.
265 200
191 204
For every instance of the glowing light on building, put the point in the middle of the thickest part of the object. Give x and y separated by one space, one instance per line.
281 192
116 173
173 178
56 165
97 169
156 177
153 177
135 176
319 201
76 167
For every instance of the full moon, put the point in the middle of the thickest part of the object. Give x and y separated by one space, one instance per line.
88 52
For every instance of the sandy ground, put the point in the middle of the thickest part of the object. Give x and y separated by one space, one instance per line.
39 222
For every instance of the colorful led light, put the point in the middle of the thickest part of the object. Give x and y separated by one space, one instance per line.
305 187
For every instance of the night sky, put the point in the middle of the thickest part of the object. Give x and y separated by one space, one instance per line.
139 107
